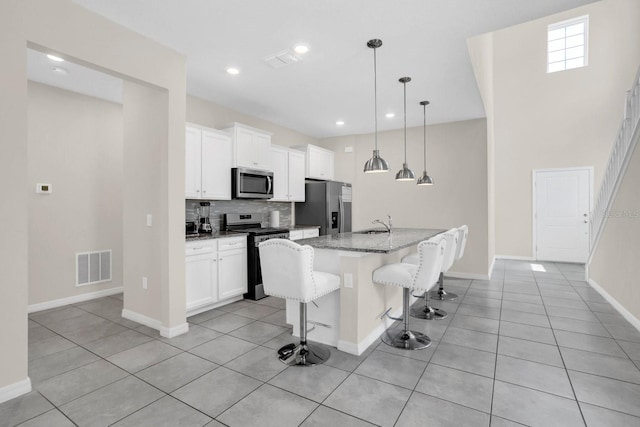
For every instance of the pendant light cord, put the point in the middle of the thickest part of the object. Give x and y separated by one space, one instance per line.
425 136
375 98
405 121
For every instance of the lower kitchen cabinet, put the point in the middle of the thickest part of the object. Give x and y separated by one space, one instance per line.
216 272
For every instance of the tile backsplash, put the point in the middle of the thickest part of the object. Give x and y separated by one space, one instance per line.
219 207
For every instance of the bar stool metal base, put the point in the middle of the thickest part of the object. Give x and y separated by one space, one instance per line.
441 295
428 313
407 340
303 354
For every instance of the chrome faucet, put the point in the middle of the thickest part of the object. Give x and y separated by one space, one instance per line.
388 227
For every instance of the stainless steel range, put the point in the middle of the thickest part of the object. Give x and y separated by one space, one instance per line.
251 223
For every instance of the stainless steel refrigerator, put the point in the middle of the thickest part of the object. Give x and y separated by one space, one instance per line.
327 204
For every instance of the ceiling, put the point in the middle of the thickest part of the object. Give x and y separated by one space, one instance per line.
422 39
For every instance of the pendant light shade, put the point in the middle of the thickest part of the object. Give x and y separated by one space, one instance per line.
425 179
405 174
375 164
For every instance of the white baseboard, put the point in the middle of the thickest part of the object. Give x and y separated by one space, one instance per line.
14 390
472 276
74 299
493 264
359 348
155 324
175 331
623 311
515 258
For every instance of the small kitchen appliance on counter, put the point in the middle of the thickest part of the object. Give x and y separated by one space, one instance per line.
205 222
250 223
191 228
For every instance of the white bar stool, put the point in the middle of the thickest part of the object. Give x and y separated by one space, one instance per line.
287 272
440 294
410 277
428 312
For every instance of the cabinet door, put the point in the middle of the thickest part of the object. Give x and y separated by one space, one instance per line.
202 272
320 163
296 176
279 166
244 148
216 166
232 275
296 234
262 151
192 184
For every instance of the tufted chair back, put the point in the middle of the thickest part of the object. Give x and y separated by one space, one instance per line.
463 232
451 236
431 254
287 270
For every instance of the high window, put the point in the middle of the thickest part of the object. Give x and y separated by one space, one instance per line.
567 44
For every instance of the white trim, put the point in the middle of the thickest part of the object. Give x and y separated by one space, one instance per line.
74 299
175 331
14 390
515 257
472 276
155 324
493 264
359 348
207 307
534 217
623 311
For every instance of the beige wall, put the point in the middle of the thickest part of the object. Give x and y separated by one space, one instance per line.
75 144
457 161
209 114
557 120
614 265
94 41
481 54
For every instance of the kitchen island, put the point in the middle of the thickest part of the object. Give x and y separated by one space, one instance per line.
350 319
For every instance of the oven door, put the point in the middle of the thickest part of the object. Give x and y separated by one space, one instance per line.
251 184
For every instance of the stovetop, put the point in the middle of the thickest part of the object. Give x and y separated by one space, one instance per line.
260 231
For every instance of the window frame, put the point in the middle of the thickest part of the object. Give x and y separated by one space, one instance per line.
563 25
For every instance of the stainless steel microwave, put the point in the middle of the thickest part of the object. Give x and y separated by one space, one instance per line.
251 183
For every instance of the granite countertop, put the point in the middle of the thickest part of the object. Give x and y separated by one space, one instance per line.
216 235
375 243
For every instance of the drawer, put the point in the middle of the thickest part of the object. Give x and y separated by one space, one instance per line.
232 243
200 247
311 232
296 234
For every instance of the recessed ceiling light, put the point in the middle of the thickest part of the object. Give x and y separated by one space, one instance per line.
340 123
60 70
390 115
55 58
301 48
233 71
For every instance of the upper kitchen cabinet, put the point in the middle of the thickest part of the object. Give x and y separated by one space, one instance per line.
288 174
319 162
209 158
251 147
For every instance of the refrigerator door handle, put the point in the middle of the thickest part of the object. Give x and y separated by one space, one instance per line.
341 208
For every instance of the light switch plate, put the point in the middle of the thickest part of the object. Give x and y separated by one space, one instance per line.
348 280
149 220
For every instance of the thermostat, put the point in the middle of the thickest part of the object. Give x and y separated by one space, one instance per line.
44 188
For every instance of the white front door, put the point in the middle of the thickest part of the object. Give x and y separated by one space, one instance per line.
562 201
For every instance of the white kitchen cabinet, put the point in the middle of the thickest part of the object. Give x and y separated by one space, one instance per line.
208 162
310 232
288 174
251 147
304 233
319 162
296 234
216 272
201 271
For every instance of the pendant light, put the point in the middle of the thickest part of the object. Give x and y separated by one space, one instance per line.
425 179
405 174
375 164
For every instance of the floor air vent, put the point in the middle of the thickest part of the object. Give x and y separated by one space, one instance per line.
93 267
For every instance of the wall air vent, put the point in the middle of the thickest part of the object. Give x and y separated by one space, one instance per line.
93 267
281 59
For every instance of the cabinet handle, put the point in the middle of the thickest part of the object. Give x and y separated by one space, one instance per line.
196 249
231 244
197 191
204 191
221 258
214 260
